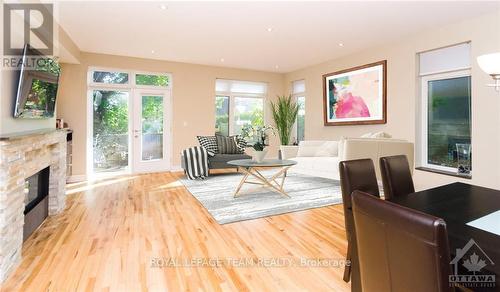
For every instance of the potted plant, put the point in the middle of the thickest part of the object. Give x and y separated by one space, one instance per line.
285 112
259 134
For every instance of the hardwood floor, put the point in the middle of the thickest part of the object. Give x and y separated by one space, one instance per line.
114 233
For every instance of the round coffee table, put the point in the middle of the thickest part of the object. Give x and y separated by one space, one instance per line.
250 169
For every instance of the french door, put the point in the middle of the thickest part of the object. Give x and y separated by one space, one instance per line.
130 131
128 125
150 130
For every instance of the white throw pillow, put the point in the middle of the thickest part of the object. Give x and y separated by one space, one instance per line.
381 135
318 149
307 151
367 135
328 149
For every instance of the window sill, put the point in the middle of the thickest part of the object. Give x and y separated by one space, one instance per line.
443 172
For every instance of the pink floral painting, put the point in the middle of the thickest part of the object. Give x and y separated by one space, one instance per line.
355 96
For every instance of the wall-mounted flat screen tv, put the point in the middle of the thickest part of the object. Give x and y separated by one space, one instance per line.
37 88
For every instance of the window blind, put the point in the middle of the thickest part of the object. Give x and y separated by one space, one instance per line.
236 86
299 86
445 59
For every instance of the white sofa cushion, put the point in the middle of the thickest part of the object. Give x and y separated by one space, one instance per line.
318 149
309 148
328 149
317 166
307 151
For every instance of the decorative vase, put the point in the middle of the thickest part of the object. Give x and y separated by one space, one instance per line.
463 158
258 156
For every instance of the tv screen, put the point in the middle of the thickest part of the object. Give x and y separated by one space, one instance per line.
37 88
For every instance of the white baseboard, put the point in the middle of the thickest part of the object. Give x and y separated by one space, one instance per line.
76 178
176 168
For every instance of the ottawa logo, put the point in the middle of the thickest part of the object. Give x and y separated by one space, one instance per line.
467 267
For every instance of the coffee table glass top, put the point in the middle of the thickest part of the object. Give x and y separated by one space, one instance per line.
264 163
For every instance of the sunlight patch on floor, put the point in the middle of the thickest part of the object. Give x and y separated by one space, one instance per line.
171 185
87 186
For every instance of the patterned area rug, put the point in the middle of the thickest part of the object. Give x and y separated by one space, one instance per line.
306 192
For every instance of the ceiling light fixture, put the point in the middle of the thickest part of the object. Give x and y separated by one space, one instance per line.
269 29
490 64
276 66
152 51
222 60
341 44
163 7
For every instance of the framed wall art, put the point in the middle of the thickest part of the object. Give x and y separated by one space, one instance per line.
356 96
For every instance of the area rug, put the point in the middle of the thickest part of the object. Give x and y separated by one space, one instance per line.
216 194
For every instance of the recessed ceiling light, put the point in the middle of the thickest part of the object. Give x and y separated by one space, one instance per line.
269 29
163 7
341 44
222 60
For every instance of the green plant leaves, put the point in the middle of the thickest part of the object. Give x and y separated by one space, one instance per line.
285 111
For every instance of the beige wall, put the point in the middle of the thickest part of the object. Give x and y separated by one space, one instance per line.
193 98
484 32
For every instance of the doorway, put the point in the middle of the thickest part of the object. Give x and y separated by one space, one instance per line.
150 140
129 122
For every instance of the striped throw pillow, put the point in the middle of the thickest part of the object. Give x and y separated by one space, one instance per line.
241 143
209 143
227 145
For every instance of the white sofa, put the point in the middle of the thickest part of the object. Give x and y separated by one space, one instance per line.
321 158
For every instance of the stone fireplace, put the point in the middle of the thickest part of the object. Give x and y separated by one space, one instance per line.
22 157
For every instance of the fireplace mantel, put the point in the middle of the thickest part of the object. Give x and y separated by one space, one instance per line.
27 134
22 155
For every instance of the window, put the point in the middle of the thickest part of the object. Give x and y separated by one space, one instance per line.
247 111
301 118
446 109
152 80
152 127
222 115
107 77
238 103
299 92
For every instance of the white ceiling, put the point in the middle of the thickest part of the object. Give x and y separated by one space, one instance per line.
303 33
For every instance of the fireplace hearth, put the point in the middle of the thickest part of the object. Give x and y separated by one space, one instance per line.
36 202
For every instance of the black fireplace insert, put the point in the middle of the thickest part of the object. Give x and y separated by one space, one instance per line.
36 201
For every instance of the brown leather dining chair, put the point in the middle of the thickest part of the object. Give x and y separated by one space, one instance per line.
355 175
399 249
396 176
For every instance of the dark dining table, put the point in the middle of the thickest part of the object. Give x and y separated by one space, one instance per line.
459 204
